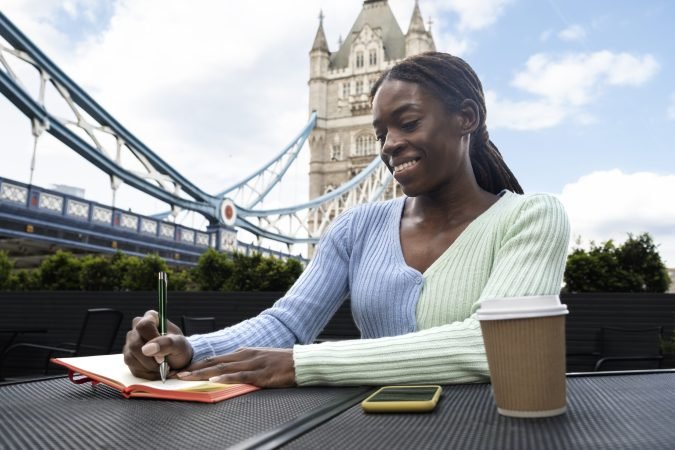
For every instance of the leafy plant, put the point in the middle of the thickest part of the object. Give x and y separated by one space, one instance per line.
213 271
181 280
6 267
97 274
141 274
634 266
24 280
60 272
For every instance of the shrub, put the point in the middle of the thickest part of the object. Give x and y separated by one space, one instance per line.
181 280
634 266
97 274
60 272
263 273
5 270
24 280
245 276
141 274
213 271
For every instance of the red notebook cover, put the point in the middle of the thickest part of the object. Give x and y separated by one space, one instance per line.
112 371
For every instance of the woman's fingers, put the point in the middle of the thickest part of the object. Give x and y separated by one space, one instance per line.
138 363
175 348
261 367
145 348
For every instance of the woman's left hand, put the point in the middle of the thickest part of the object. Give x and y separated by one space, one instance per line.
263 367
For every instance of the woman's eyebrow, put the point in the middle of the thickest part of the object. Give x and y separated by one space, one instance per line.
399 110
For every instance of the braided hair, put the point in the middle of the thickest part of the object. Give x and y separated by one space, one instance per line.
452 80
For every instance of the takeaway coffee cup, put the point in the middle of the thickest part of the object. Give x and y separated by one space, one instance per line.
525 344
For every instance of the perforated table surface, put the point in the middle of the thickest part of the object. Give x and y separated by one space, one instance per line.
628 411
604 412
57 414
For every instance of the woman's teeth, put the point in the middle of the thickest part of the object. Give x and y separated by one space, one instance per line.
405 165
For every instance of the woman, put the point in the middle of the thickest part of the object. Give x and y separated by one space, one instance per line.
415 268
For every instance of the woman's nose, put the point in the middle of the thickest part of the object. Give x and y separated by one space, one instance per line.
392 142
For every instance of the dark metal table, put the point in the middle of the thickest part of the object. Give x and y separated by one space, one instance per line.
627 411
620 411
57 414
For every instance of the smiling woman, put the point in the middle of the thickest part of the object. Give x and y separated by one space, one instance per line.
449 86
415 268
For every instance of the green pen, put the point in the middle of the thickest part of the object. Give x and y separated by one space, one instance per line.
161 289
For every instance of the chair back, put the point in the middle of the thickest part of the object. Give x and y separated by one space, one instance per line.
98 331
630 348
630 341
198 325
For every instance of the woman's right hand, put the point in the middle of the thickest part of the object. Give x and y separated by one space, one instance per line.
145 348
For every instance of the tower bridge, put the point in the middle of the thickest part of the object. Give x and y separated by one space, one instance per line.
344 166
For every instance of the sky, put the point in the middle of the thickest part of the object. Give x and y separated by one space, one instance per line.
580 95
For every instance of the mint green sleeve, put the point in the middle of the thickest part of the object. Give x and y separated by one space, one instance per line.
526 257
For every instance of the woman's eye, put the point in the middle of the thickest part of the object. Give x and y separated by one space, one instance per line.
409 126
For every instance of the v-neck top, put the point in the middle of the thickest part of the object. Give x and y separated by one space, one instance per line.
415 327
485 215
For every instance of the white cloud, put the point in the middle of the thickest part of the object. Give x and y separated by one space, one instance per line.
522 115
474 14
670 112
574 79
562 85
609 204
572 33
458 46
454 21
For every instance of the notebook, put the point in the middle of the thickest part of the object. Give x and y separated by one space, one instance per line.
112 371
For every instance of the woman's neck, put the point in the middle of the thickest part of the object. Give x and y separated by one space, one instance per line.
450 206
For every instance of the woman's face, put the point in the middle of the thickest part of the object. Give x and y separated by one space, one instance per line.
423 144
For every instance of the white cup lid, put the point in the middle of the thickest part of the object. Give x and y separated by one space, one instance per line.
521 307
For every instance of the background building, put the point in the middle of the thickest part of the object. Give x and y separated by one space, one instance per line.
343 141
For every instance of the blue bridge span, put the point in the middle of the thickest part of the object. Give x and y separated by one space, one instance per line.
38 220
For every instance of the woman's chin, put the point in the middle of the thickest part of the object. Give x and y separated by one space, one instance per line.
409 190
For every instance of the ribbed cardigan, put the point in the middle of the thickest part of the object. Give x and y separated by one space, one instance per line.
415 327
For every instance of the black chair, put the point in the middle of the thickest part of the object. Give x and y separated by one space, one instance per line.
198 325
629 348
96 337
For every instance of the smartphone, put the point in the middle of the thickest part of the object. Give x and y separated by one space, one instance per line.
402 399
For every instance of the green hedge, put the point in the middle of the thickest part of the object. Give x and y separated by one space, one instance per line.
634 266
214 272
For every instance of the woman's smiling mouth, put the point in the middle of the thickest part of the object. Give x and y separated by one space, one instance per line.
405 165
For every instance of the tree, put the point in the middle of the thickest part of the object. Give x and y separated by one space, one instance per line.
638 256
5 270
245 276
24 280
141 274
181 280
60 272
96 274
213 271
634 266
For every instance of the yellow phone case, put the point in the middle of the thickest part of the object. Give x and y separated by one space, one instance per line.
401 405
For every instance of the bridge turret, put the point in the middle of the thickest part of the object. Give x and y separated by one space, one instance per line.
319 57
418 39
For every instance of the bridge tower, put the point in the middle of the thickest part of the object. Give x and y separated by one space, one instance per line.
342 142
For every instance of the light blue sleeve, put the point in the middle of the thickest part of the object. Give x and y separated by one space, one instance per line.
301 314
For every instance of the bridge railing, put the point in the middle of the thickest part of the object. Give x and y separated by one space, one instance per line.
37 213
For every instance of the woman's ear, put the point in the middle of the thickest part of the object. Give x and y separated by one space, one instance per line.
470 115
